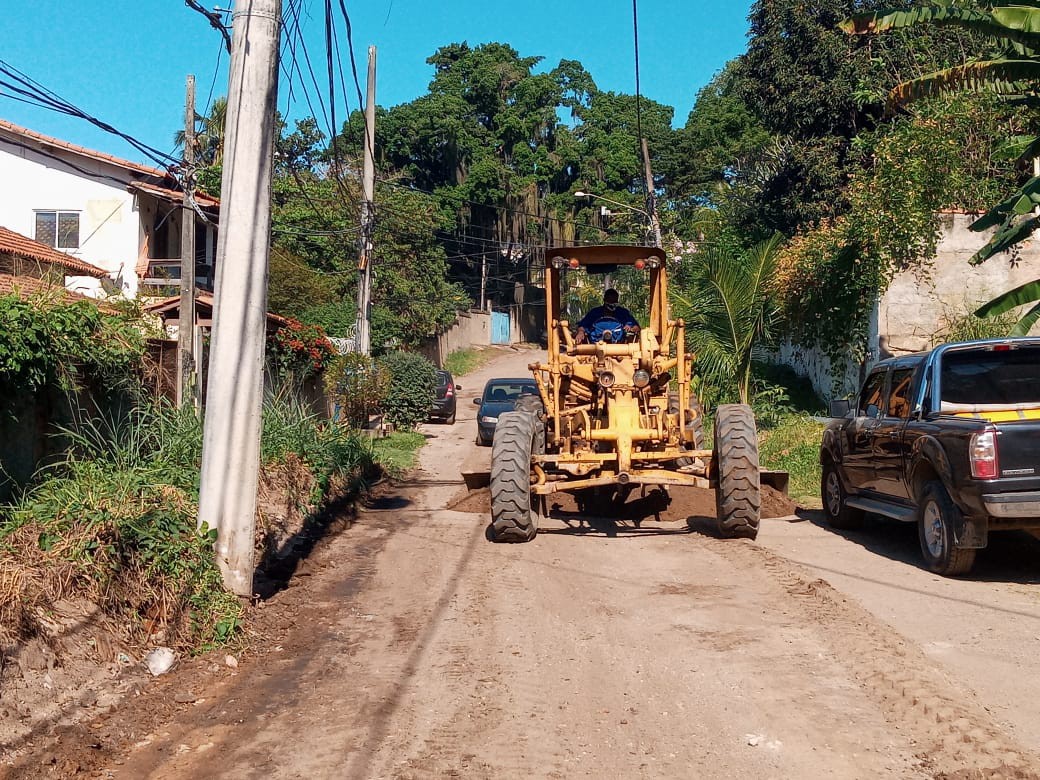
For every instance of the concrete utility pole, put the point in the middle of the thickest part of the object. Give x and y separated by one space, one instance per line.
368 213
187 374
651 199
234 399
483 282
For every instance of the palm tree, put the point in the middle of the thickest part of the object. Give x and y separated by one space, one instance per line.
209 137
1014 75
730 312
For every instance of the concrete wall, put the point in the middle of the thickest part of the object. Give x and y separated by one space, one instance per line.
918 305
471 329
109 228
811 363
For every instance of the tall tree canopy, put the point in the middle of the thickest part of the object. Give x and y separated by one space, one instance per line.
490 143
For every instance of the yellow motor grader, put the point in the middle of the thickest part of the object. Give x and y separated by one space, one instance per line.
616 415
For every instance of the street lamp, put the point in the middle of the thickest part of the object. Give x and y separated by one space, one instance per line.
651 217
580 194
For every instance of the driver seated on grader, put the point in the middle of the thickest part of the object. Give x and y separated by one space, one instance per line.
603 322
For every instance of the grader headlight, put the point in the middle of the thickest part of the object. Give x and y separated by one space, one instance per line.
641 378
606 379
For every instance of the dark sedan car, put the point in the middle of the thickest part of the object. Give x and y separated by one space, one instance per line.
499 396
443 406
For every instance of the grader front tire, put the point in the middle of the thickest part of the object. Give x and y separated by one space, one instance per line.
514 508
738 498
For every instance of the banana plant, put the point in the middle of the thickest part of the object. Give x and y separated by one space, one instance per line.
1014 28
1012 299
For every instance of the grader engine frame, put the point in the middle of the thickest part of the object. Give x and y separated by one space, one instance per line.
613 417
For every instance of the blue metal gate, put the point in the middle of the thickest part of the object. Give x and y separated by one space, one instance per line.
499 327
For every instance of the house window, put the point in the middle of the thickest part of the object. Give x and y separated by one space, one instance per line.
59 229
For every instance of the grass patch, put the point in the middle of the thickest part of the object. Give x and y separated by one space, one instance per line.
398 452
794 446
335 455
115 523
463 361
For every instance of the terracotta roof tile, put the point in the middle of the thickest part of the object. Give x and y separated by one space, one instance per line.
173 304
17 244
40 138
28 286
175 195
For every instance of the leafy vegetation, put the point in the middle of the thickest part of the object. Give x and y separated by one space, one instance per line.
1006 68
115 522
731 314
299 351
794 446
399 451
53 342
357 387
410 389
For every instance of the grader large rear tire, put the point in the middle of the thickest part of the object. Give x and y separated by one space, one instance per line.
514 508
738 499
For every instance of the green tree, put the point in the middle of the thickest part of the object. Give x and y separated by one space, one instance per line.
720 134
488 142
814 90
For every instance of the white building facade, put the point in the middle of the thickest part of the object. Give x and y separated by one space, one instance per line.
115 214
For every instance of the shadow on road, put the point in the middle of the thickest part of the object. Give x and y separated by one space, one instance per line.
610 528
1009 557
277 566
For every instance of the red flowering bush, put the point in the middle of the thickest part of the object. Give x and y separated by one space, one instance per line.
299 350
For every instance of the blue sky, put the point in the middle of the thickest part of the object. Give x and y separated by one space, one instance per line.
125 62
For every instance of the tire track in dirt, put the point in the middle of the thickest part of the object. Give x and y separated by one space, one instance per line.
453 732
958 738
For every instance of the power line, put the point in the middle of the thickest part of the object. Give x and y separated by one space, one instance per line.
34 93
215 21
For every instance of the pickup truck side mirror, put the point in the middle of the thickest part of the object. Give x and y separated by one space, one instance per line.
476 402
839 408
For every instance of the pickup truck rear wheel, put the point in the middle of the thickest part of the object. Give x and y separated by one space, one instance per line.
839 514
738 497
937 517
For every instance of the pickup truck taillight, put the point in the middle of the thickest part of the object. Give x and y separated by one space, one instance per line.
983 454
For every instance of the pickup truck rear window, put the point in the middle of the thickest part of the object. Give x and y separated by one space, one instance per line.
977 378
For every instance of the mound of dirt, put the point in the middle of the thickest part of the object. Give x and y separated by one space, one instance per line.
686 502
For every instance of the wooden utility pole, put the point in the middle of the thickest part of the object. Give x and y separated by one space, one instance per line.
651 198
234 397
187 374
368 214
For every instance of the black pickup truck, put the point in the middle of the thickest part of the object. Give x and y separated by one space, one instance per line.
949 439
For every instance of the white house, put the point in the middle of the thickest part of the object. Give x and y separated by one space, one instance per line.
115 214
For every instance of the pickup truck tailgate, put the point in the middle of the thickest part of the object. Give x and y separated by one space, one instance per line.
1018 447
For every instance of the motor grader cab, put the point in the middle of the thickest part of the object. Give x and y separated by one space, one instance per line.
617 415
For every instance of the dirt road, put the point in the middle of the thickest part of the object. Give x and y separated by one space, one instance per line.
410 647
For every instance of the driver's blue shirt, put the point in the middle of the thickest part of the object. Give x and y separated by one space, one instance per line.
620 313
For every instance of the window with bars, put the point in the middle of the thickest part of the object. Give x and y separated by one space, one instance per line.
59 229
